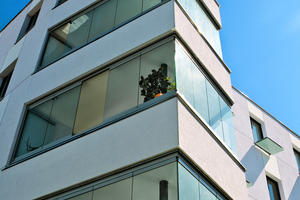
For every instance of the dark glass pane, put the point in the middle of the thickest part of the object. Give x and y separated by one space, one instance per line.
127 9
273 189
103 19
4 85
256 129
34 129
150 3
54 50
78 31
62 115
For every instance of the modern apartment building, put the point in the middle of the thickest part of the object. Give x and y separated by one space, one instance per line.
131 100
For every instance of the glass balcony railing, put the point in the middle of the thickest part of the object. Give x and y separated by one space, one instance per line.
122 88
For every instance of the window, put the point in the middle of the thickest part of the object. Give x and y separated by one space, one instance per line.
297 156
273 189
90 25
4 85
94 101
256 130
60 2
28 24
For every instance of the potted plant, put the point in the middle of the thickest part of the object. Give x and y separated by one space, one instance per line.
156 84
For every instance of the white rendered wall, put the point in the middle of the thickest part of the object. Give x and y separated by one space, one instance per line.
201 147
281 167
10 33
202 51
133 139
214 9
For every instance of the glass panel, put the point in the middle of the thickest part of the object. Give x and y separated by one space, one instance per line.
53 51
153 60
122 91
127 9
269 145
35 127
116 191
214 110
273 189
78 31
103 19
85 196
188 185
63 115
157 184
184 75
205 193
227 124
200 95
256 129
91 103
150 3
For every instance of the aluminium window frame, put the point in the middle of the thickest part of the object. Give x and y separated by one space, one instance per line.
28 24
276 191
260 129
4 85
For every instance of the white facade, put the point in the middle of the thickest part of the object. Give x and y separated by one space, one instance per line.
124 142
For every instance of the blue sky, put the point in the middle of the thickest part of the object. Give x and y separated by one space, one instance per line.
261 45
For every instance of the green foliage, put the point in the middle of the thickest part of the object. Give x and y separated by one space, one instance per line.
156 83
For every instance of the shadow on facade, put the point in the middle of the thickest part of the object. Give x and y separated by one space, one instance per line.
254 163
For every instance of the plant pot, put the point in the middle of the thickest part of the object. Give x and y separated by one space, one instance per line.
158 95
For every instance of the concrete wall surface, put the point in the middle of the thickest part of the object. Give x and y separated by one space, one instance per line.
128 141
202 51
207 153
281 167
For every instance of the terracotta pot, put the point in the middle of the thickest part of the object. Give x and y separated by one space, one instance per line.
158 95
